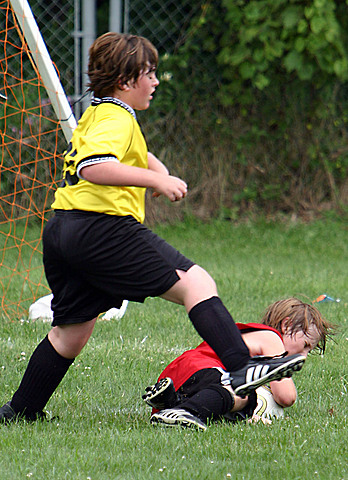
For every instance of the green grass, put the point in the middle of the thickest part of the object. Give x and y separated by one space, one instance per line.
103 430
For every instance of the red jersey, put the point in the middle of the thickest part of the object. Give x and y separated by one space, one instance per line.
203 356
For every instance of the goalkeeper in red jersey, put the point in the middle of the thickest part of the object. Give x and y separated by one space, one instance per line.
196 388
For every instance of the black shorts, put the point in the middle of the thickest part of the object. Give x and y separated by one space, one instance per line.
95 261
204 379
219 379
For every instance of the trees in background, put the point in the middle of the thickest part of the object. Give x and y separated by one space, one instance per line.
256 92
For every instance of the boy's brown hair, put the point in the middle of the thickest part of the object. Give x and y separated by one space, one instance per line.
116 59
299 316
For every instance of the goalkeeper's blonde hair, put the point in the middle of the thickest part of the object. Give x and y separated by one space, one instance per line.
298 316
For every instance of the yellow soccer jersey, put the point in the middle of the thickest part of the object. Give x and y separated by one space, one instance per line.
107 132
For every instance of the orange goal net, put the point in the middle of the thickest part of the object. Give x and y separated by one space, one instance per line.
32 141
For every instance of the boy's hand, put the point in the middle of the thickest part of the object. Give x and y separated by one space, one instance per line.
172 187
257 418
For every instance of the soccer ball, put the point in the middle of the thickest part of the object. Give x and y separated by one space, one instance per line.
267 407
41 310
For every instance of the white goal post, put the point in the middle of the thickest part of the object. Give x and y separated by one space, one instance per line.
51 82
45 66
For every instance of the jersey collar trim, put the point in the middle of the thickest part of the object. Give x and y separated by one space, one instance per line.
97 101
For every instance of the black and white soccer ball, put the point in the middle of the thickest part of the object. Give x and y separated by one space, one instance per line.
267 407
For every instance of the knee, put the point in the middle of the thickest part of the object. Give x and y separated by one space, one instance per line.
69 340
194 286
198 277
67 348
199 286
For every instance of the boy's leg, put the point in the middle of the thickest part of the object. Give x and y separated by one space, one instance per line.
201 398
197 291
46 369
69 340
216 326
210 403
205 396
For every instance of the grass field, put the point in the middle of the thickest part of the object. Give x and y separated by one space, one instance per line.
103 430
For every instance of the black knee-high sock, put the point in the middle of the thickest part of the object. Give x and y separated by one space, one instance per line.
45 370
210 403
215 325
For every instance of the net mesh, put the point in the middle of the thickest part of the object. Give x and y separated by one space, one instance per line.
31 142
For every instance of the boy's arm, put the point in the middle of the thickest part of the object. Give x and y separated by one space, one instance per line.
118 174
155 164
269 343
284 391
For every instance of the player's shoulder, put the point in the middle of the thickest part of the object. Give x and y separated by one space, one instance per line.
263 333
112 112
263 342
255 327
271 342
114 108
112 120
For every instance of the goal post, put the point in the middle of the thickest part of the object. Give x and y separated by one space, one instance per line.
36 122
45 66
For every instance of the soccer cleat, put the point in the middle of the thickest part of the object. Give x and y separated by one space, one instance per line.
261 369
172 417
8 415
161 395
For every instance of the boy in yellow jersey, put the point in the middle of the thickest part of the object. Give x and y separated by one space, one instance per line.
97 252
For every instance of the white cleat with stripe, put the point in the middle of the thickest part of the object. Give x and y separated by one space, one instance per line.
172 417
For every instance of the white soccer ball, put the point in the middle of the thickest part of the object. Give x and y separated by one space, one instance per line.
267 407
115 312
41 310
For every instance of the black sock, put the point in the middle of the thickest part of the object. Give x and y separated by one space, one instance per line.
210 403
215 325
45 370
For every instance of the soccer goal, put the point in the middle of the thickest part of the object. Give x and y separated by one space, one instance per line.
36 122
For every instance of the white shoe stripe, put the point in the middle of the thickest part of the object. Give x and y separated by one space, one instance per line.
264 371
258 372
249 374
255 373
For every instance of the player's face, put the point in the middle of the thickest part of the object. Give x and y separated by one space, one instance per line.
300 342
141 93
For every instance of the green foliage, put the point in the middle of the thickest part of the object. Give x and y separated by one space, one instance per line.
261 88
254 45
